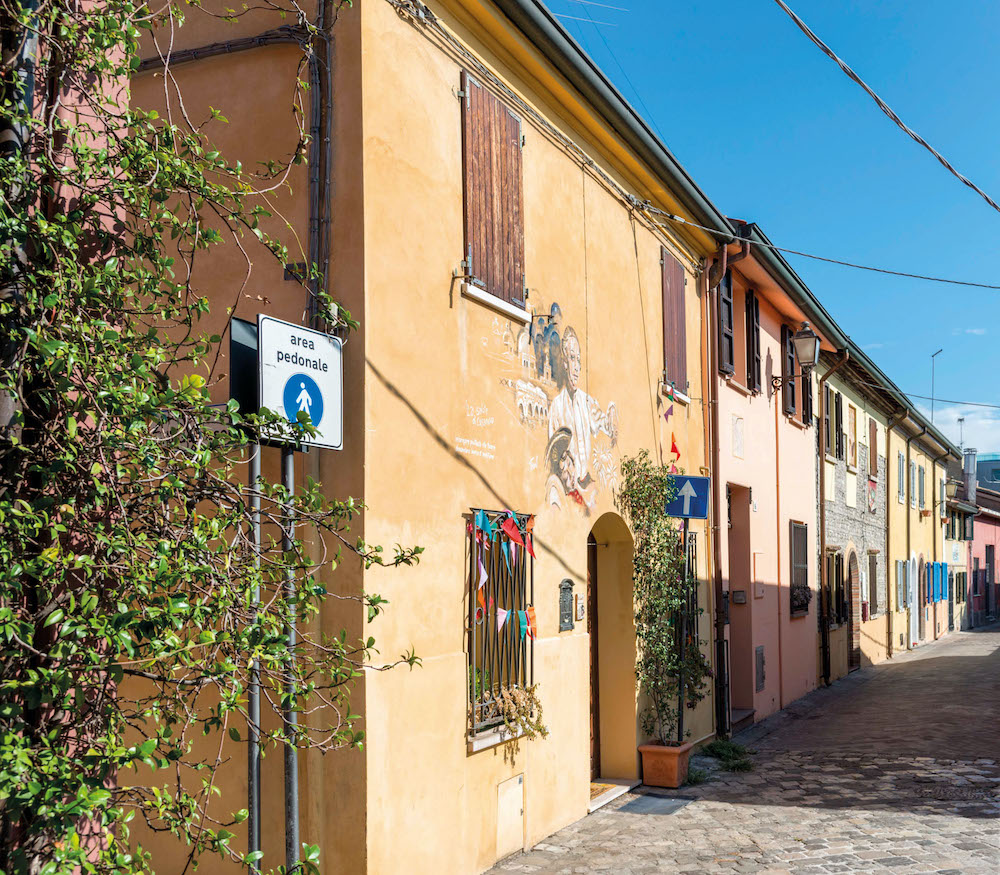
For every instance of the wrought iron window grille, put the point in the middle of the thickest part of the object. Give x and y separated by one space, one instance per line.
498 655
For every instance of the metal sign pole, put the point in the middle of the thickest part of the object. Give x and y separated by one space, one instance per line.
682 632
253 703
291 716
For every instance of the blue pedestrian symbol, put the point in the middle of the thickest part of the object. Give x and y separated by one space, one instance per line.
302 394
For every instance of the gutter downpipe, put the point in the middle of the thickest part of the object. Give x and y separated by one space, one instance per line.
824 614
890 425
909 498
722 723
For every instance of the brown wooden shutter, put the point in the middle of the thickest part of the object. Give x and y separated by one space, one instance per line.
838 406
827 434
753 341
727 356
494 198
872 448
788 370
674 322
807 399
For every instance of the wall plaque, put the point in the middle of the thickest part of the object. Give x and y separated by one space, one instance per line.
739 596
565 605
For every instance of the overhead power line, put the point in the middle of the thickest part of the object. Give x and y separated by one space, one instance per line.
588 18
915 276
823 47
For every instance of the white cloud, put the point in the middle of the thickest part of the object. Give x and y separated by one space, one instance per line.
873 346
981 428
975 330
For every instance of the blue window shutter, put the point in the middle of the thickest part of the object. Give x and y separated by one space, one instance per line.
945 583
937 582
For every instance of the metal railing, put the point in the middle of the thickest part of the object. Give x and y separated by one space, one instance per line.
499 656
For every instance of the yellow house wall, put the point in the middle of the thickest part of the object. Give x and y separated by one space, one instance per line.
442 435
926 539
423 382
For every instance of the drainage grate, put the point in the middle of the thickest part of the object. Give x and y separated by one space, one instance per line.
650 804
948 793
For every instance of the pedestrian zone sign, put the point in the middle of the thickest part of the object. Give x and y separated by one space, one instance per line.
690 499
301 370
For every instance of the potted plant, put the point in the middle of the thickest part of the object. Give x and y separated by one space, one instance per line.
670 668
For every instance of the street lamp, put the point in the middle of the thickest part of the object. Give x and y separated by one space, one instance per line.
806 345
932 382
951 488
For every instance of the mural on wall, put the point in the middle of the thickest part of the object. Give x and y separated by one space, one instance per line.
580 434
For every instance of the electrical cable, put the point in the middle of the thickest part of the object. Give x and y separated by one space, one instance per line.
823 47
635 90
648 208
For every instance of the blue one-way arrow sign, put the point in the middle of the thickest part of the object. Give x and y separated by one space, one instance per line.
691 498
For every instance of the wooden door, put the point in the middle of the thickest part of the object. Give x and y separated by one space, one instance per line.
595 699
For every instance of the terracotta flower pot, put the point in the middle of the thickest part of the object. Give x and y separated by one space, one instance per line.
663 765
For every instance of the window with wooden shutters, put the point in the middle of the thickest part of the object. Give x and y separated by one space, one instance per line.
873 448
799 578
838 421
494 199
913 484
727 348
753 341
901 477
807 398
788 370
921 486
827 431
674 326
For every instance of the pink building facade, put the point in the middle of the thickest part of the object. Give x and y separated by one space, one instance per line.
765 484
983 590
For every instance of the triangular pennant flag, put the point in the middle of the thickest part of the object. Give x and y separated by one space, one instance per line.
506 554
510 529
532 623
513 553
670 410
522 622
501 618
673 446
482 574
529 544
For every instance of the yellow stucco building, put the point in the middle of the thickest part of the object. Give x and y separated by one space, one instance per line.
918 457
526 322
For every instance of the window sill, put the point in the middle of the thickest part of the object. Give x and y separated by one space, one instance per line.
678 396
490 738
493 302
852 468
798 423
799 615
733 383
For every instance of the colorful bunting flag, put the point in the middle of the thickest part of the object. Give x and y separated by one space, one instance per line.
669 413
673 446
522 622
506 554
501 618
529 544
510 529
482 574
532 623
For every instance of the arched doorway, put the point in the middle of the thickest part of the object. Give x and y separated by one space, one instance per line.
854 613
614 724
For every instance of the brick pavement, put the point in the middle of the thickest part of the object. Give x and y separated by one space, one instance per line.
894 769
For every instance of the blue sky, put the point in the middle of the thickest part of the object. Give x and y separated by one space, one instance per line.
775 133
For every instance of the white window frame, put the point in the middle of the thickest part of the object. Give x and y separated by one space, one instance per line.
901 476
913 483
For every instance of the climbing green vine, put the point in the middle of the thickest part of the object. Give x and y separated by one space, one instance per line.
127 623
660 591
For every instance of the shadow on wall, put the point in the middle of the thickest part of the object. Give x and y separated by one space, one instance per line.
462 460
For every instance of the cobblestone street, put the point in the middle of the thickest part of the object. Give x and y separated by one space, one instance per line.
895 768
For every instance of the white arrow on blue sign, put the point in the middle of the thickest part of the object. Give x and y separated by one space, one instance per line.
690 499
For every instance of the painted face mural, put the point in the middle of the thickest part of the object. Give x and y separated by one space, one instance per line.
580 434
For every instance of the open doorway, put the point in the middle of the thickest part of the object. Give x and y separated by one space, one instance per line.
743 660
614 722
